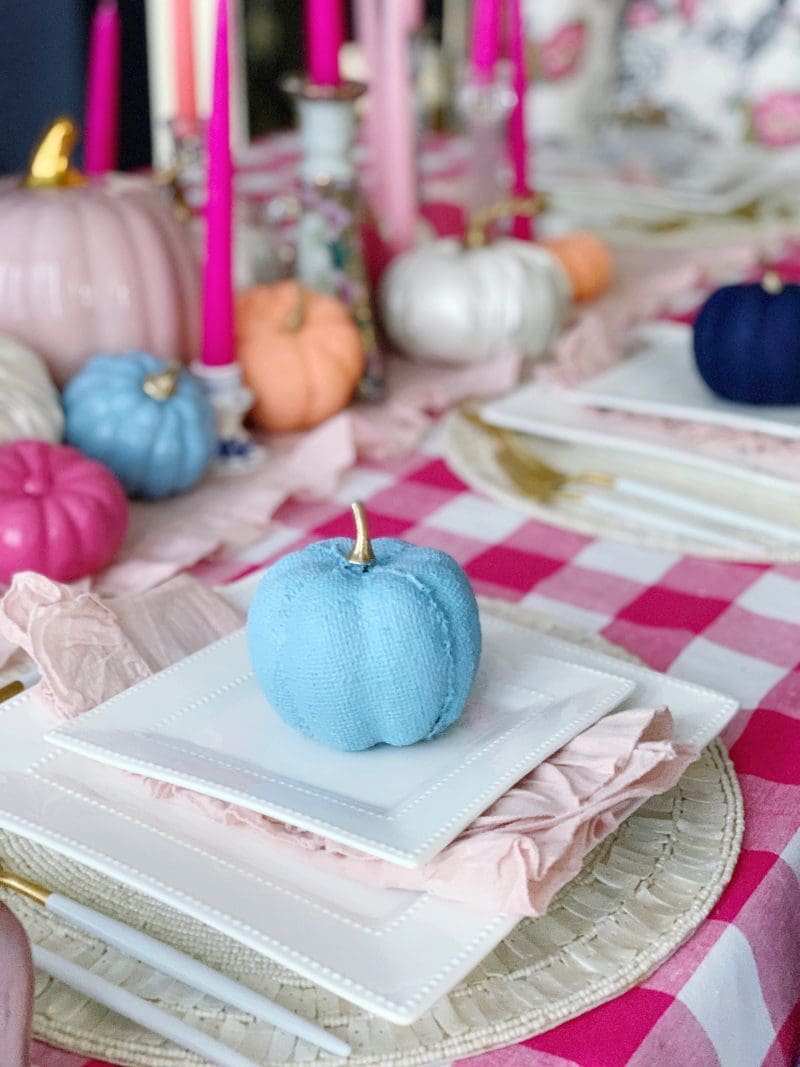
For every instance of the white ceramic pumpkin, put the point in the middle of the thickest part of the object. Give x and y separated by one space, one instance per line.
444 303
29 402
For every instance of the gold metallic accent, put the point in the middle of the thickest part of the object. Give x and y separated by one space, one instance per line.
297 316
170 181
162 385
11 689
24 885
477 230
295 85
49 167
362 554
530 475
772 283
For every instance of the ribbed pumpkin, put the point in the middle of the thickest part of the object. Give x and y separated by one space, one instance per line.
61 514
99 266
30 406
301 354
151 423
747 342
587 261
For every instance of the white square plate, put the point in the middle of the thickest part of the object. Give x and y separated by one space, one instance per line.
660 378
205 724
393 953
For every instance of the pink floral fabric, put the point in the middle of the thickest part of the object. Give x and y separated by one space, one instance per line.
725 70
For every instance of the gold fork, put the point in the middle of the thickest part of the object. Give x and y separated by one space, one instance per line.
540 481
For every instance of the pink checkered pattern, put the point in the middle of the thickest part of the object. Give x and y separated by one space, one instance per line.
730 997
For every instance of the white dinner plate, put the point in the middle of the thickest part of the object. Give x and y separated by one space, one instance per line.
660 378
205 724
392 952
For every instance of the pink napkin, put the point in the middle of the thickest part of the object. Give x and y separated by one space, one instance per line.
513 858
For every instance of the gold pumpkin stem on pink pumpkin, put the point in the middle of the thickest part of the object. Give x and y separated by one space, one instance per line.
50 167
362 554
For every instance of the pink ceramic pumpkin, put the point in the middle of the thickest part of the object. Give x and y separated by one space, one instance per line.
100 266
61 514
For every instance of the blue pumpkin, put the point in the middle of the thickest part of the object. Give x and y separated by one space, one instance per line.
355 648
747 342
150 422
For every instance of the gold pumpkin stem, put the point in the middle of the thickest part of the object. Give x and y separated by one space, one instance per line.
362 554
49 167
162 385
478 228
772 283
297 316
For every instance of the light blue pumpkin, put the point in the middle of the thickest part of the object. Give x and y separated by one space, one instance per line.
353 652
150 422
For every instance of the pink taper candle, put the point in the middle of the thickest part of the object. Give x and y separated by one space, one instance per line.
324 36
218 344
101 123
399 147
485 39
183 54
517 141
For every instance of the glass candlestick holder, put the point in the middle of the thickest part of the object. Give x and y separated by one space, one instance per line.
484 108
330 256
188 149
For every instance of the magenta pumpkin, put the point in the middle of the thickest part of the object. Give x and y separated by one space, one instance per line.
99 266
61 514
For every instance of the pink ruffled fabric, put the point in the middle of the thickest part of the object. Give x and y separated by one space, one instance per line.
513 858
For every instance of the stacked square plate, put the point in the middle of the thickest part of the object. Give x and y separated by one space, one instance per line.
203 724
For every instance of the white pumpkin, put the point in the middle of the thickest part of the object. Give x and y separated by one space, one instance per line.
29 402
444 303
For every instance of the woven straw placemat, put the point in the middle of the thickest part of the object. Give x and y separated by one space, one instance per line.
640 894
472 453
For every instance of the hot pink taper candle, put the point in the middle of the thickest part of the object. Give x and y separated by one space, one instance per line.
324 36
218 344
517 141
485 39
101 124
183 55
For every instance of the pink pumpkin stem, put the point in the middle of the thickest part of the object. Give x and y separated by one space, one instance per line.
16 992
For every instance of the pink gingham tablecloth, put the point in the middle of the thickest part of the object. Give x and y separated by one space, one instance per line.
730 997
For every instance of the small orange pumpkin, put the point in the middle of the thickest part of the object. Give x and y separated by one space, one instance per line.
587 261
301 354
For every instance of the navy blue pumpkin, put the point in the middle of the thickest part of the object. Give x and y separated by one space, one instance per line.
747 342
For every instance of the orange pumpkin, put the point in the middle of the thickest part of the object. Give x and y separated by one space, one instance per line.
301 354
587 261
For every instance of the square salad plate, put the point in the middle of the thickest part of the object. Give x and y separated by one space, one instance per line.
659 377
204 724
392 952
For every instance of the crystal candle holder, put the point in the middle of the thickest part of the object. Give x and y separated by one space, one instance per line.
330 257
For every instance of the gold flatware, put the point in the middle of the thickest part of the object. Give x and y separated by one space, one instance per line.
535 478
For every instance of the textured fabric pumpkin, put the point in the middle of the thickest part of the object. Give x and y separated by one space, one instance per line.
93 267
30 406
301 354
747 342
442 303
61 514
587 261
353 648
149 422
